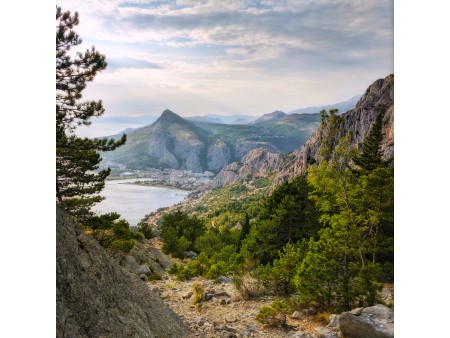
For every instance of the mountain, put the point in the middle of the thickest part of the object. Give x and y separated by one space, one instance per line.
96 297
143 119
379 96
271 117
204 119
174 142
342 106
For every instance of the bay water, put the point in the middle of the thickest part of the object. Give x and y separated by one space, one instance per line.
133 201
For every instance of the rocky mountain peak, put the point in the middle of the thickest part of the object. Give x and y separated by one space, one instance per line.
270 116
170 116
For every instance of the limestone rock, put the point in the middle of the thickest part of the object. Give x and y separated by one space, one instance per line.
96 297
258 162
297 315
373 322
323 332
143 277
218 155
144 269
224 279
190 254
378 97
298 334
334 322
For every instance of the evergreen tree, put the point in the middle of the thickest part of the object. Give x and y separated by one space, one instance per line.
371 155
245 230
77 159
287 216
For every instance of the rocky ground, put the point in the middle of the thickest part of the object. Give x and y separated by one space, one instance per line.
225 313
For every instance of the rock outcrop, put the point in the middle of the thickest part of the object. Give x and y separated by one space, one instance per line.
371 322
257 163
95 297
378 97
262 162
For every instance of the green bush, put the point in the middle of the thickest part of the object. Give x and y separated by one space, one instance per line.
273 315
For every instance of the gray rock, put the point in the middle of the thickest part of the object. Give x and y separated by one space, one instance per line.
334 322
144 269
187 295
96 297
323 332
207 296
143 277
297 315
380 94
298 334
373 322
218 155
224 279
357 311
228 334
190 254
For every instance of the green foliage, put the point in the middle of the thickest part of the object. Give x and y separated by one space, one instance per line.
273 315
145 229
77 159
370 157
198 294
287 216
179 232
113 233
245 230
340 268
330 129
279 277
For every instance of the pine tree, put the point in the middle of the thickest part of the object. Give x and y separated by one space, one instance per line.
371 154
244 231
77 159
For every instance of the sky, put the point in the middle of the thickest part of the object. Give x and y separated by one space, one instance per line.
226 57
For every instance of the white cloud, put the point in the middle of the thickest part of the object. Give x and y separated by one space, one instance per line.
235 56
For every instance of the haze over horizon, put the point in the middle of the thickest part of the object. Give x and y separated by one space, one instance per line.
233 57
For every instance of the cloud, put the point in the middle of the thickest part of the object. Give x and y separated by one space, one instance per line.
246 56
128 62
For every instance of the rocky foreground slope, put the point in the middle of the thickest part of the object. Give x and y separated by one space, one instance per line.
95 297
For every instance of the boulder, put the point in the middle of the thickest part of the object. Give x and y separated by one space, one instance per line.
190 254
224 279
323 332
297 315
334 322
144 269
298 334
373 322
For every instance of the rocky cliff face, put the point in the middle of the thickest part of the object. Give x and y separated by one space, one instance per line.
176 143
378 97
95 297
259 162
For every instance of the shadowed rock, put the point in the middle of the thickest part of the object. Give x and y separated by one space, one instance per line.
95 297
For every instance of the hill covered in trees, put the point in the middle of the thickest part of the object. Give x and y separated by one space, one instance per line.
324 233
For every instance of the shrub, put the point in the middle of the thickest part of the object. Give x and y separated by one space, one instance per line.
273 315
198 294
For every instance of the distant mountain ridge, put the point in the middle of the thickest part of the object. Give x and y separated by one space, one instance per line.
342 106
175 142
